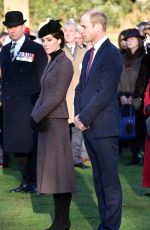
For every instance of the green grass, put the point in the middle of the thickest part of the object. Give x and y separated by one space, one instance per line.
33 212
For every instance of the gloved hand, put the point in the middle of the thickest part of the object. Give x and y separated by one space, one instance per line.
137 102
34 125
38 126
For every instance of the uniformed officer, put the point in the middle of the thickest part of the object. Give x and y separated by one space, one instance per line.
22 64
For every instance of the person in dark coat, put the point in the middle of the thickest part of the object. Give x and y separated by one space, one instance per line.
126 90
96 111
4 158
55 170
121 42
22 64
146 168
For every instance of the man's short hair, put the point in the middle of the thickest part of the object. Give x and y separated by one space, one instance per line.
71 22
98 17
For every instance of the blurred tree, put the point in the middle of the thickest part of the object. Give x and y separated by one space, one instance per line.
1 14
114 9
144 5
118 2
59 9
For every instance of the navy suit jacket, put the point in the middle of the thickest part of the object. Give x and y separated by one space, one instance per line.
96 97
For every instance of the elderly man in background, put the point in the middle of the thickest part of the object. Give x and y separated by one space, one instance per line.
75 54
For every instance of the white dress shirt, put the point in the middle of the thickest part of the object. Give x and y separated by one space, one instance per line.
19 43
98 45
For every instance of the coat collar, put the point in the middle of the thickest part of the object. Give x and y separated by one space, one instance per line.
50 65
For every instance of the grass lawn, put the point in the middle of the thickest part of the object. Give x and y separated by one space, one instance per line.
33 212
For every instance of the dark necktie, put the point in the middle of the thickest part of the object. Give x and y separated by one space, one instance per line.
89 62
71 49
12 49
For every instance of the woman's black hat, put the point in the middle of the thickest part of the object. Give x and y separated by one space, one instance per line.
13 18
133 33
51 27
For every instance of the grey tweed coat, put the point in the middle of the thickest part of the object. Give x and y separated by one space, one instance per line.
55 171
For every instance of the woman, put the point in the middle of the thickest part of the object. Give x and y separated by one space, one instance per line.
146 168
122 44
55 171
132 63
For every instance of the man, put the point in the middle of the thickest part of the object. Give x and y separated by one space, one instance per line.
146 32
22 64
75 54
140 27
97 115
4 157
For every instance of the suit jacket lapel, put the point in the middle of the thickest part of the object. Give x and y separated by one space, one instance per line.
8 63
96 58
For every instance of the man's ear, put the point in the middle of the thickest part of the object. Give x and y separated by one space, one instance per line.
98 27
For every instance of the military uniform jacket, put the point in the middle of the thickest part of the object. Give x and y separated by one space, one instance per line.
20 90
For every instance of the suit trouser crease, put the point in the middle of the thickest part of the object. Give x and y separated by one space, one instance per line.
104 156
76 143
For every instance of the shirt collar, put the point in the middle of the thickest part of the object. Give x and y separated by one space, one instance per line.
20 41
99 43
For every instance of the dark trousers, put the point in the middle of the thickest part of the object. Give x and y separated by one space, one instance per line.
26 163
104 156
76 144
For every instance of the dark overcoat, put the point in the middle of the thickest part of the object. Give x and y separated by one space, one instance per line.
55 171
20 89
146 168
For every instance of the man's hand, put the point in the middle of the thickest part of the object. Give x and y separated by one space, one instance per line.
79 124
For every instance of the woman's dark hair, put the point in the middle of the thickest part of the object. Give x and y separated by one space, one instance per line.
59 35
124 34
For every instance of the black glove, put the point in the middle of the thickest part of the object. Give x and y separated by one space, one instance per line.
137 102
148 109
38 126
34 125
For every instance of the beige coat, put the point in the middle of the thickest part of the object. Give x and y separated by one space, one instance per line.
77 65
55 171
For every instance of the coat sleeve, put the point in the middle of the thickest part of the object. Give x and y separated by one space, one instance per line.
78 89
147 98
40 59
57 95
143 77
108 83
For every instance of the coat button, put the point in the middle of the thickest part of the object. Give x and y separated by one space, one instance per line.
97 90
17 97
7 98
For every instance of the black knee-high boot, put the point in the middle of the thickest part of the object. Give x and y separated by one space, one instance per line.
62 206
